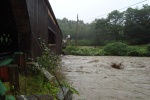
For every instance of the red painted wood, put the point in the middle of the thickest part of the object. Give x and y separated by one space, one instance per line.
4 74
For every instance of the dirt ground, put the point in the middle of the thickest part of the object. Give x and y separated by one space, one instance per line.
95 79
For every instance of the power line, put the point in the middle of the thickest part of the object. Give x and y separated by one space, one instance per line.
132 5
118 9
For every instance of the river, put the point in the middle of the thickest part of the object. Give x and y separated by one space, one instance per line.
95 79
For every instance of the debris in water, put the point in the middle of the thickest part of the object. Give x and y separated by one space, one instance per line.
117 66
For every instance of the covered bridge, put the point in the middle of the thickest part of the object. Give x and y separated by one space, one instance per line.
23 22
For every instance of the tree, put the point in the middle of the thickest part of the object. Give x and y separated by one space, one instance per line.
68 27
137 25
116 21
102 31
131 26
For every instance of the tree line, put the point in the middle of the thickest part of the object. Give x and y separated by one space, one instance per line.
131 26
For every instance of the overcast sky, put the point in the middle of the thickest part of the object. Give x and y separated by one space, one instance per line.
88 10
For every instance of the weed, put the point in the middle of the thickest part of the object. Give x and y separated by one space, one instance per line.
36 82
70 50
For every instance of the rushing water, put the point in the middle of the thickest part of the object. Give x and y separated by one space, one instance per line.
95 79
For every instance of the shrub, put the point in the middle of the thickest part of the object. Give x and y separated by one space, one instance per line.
69 49
37 85
99 52
148 50
84 51
148 47
49 61
133 51
117 49
137 51
87 51
143 52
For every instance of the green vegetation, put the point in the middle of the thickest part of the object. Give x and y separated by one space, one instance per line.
120 34
117 48
148 47
131 26
85 43
137 51
68 27
37 83
72 50
111 49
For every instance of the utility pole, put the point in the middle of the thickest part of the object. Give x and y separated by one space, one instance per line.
77 32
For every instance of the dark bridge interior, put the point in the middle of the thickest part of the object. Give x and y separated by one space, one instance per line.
8 30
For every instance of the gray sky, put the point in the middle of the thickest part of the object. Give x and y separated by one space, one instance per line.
88 10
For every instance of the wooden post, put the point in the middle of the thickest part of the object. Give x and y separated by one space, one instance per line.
77 33
20 59
14 78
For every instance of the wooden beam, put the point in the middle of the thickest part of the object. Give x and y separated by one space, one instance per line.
51 30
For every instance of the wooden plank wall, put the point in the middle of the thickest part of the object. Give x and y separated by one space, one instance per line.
54 27
41 19
20 13
38 21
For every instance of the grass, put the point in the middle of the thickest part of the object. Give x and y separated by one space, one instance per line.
83 51
36 85
135 50
139 46
39 84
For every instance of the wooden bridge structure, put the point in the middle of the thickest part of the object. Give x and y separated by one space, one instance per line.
22 23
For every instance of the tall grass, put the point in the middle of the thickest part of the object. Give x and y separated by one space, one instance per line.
83 51
111 49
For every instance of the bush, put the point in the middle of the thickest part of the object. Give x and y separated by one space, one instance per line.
143 52
133 51
148 47
99 52
148 50
137 51
49 61
116 49
69 49
84 51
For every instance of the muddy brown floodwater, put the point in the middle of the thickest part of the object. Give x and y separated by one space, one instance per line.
95 79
